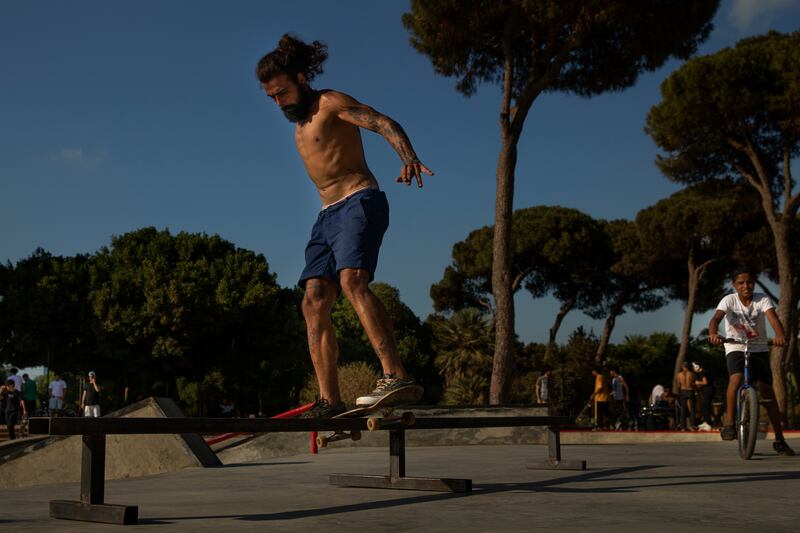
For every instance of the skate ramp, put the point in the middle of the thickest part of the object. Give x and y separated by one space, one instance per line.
58 459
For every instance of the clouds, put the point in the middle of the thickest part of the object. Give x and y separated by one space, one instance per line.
745 14
79 158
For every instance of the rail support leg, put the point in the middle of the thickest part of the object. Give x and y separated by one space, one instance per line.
91 507
554 460
397 478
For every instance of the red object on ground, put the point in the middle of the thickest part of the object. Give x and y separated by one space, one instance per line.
288 414
314 442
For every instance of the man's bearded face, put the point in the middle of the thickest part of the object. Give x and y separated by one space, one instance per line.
298 111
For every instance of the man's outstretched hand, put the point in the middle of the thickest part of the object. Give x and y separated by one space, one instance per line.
413 170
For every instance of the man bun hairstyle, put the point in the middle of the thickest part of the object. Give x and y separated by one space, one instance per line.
292 56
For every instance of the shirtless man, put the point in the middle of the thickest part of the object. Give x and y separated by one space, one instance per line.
686 390
345 240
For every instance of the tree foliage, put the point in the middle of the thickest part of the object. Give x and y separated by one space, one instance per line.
463 344
44 314
691 239
627 284
585 47
735 114
556 250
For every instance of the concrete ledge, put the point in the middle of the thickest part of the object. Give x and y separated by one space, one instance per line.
272 445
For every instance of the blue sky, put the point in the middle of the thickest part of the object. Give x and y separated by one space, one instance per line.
117 115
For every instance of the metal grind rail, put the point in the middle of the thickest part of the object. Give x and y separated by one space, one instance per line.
92 506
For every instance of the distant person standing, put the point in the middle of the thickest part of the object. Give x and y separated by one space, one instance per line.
686 389
58 392
705 384
543 387
601 399
14 406
29 392
90 400
619 390
13 375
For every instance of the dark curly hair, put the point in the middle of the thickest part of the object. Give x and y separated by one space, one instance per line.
292 56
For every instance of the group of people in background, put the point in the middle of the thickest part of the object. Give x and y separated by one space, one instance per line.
614 407
611 401
695 388
19 398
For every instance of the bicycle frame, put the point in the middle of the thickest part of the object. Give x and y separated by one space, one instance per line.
746 383
747 406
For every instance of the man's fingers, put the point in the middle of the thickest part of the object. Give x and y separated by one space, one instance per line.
413 171
418 175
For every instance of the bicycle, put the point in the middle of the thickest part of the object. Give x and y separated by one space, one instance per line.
747 405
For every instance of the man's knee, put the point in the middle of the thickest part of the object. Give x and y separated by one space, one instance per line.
319 297
355 282
735 380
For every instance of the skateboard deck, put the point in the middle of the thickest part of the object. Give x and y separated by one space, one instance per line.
584 418
386 405
399 398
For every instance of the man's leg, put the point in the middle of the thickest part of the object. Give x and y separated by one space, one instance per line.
682 411
708 398
374 318
730 396
11 420
318 300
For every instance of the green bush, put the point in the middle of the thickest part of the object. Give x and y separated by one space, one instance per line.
467 390
355 379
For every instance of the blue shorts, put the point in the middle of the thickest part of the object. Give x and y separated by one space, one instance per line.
347 234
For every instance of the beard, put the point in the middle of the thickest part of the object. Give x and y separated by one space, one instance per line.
299 111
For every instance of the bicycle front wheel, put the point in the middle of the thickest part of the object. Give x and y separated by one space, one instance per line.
747 424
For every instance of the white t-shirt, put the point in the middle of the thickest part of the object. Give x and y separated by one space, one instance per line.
17 382
746 321
57 388
658 390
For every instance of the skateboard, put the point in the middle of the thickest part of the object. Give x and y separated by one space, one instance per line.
386 405
582 418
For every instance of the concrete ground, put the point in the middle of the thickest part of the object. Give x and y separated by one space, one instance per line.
631 487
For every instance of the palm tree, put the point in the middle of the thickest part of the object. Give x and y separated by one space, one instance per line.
464 344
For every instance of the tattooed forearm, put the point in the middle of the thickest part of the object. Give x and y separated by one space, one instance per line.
368 118
393 132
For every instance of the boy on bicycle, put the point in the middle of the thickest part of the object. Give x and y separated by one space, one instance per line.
744 314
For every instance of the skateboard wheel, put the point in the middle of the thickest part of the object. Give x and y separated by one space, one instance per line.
409 419
322 441
355 435
373 424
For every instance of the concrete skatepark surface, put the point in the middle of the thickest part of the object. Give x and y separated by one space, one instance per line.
629 487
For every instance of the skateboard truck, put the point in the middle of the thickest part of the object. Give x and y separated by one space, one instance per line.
323 440
374 423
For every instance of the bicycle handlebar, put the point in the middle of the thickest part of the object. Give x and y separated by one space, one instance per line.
728 340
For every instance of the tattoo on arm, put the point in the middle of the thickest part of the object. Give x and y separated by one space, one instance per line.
368 118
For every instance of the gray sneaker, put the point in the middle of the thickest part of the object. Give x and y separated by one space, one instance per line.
323 409
388 385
